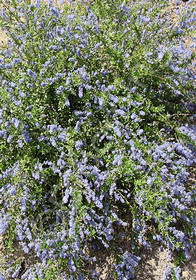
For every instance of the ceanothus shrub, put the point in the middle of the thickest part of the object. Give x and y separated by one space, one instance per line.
92 131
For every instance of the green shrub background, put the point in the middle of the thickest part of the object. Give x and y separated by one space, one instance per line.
95 136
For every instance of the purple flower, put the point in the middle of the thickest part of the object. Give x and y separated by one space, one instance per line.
187 254
167 272
80 92
66 197
20 144
98 203
78 53
113 188
29 115
31 73
24 247
59 75
26 136
14 275
18 103
52 128
114 99
142 113
101 102
68 81
62 137
37 124
9 139
12 84
78 144
3 226
160 55
46 64
22 94
118 160
53 141
72 265
117 131
44 84
145 19
177 271
36 175
77 127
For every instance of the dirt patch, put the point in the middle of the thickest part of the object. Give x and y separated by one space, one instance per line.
154 262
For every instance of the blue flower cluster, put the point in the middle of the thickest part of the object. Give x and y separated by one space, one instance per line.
89 137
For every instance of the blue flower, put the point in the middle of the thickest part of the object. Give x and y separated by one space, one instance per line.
77 127
12 84
78 144
117 131
9 139
31 73
98 203
52 128
44 84
68 81
145 19
80 92
26 136
53 141
118 160
59 75
120 112
62 137
177 271
3 226
46 64
20 144
167 272
160 55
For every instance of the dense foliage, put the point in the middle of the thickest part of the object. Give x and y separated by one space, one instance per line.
95 145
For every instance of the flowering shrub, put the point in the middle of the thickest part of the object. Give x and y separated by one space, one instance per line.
93 135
